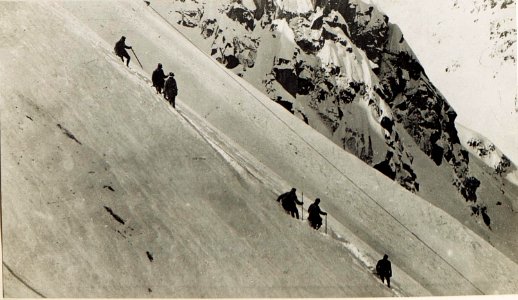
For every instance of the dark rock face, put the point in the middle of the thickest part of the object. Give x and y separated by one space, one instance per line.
287 78
241 14
208 27
355 143
343 60
286 104
368 27
424 113
387 124
477 210
385 167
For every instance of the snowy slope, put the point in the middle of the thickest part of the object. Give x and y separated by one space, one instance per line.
180 203
136 177
345 71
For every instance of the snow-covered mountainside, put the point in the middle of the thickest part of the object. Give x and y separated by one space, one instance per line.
341 67
107 191
483 149
468 49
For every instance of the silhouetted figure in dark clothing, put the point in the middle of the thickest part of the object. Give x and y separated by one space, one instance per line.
120 50
314 211
171 90
158 79
384 269
289 202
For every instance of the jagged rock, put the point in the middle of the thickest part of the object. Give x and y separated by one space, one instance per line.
190 18
286 104
287 78
503 165
385 167
387 124
238 12
208 27
469 187
343 60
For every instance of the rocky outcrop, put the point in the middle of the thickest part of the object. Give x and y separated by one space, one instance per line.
489 153
344 61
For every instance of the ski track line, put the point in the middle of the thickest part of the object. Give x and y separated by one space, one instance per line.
244 163
210 136
219 142
330 163
23 281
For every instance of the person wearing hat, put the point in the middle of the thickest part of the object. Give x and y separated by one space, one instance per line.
120 50
158 79
170 89
314 211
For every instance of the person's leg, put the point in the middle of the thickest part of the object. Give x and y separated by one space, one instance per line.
388 281
312 223
128 58
296 211
173 101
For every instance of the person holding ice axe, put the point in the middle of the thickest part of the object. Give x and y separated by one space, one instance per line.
314 218
120 51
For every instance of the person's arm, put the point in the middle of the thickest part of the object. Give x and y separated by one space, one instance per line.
127 47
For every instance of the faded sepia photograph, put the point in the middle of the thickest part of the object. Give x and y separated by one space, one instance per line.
258 148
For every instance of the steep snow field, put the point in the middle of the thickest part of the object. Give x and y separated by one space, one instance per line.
109 192
435 184
466 49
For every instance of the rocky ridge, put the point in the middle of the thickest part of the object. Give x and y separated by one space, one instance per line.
345 70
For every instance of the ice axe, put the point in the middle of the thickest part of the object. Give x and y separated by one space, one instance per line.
326 224
137 58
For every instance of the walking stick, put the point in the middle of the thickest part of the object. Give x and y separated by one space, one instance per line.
302 207
137 58
326 224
